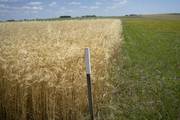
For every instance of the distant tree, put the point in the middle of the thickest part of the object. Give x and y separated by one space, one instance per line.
88 16
65 16
174 13
12 20
133 15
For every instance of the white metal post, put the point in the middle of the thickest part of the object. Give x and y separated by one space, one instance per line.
89 85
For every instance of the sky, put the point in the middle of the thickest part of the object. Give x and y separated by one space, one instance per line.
28 9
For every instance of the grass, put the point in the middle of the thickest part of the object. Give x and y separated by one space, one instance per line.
146 72
42 71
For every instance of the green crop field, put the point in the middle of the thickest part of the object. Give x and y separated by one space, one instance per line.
147 73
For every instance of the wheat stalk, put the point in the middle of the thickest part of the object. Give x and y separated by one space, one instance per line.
42 72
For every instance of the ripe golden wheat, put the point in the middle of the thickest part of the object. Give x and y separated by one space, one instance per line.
42 71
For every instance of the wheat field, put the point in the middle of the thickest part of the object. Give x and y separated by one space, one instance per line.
42 68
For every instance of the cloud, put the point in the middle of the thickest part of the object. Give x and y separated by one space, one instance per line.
2 6
4 11
19 8
8 0
75 3
63 11
98 3
32 7
52 4
94 7
34 3
62 8
4 0
89 7
117 4
109 4
84 7
69 11
121 1
73 7
6 7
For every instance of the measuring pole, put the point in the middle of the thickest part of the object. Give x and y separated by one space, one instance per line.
89 85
